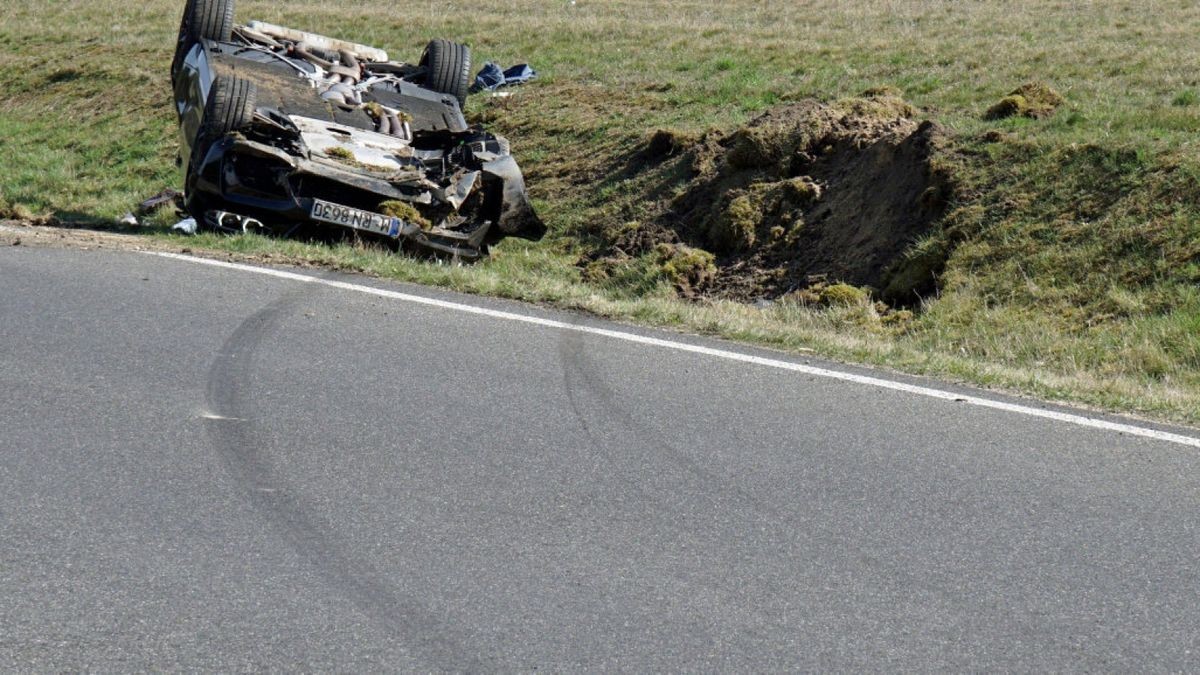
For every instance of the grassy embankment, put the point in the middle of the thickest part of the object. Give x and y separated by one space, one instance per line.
1074 244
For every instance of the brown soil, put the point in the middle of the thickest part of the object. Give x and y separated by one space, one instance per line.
806 193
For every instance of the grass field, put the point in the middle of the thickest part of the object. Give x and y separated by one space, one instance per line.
1073 247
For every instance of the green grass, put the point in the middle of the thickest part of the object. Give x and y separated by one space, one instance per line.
1074 248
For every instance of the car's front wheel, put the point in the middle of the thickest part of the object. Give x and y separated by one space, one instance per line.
202 20
230 107
448 68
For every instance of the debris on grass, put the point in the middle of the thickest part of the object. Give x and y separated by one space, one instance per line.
167 196
186 226
1035 100
492 76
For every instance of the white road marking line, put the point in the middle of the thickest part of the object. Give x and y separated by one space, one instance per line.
1068 418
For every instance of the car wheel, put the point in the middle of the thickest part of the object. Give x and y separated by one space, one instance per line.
230 106
202 19
448 68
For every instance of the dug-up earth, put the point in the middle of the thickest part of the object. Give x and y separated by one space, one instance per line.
806 195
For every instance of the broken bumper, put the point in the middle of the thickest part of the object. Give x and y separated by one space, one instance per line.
268 184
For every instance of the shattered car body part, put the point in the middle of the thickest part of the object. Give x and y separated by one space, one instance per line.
377 151
291 129
160 200
186 226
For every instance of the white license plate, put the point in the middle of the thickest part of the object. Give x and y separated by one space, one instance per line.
358 219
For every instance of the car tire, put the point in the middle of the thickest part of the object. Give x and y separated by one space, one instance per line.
202 20
448 68
230 106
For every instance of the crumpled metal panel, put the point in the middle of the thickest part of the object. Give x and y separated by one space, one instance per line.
517 217
369 148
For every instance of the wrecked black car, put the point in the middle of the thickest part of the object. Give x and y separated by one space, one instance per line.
286 130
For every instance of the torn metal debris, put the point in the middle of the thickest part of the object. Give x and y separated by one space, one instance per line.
160 200
288 129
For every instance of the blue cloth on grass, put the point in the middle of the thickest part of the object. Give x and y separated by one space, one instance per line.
492 77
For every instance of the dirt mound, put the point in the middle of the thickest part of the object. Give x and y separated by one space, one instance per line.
810 192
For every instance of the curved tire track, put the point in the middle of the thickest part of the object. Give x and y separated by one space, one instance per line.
232 431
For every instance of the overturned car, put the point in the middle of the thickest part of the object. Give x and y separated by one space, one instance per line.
287 130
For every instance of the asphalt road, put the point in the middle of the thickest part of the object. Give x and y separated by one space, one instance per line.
211 469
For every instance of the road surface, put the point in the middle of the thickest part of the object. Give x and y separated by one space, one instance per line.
216 469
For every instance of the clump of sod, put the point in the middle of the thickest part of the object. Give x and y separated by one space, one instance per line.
689 269
406 212
1035 100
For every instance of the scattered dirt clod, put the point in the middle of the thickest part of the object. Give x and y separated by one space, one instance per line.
1035 100
406 212
667 143
690 269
